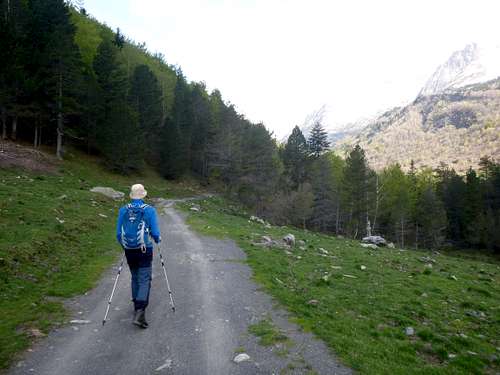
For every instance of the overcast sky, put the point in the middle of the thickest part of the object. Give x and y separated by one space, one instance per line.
279 60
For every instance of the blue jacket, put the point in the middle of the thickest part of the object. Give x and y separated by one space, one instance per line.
150 219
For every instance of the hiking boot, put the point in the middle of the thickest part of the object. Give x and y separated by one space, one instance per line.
140 319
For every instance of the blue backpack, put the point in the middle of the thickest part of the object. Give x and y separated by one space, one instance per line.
134 229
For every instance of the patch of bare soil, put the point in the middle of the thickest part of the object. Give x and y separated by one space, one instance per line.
14 155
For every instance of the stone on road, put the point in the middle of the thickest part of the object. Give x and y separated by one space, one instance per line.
216 301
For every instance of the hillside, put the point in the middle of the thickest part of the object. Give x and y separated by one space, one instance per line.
456 128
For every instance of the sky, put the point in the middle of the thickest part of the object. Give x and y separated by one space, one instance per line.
278 61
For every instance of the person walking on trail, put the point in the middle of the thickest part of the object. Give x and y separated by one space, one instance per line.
137 225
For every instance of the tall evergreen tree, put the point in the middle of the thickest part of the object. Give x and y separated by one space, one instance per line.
318 140
356 174
295 157
119 135
145 98
58 62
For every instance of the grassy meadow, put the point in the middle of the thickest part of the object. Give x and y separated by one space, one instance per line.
383 311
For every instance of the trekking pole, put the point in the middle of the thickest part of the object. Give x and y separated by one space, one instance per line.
113 291
166 278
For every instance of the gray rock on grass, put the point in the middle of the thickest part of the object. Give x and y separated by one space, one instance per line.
108 192
376 240
289 239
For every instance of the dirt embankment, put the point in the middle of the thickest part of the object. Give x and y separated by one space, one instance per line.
16 155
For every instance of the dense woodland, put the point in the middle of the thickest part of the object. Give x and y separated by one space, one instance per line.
66 79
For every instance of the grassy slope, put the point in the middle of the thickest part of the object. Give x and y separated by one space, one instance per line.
42 258
364 318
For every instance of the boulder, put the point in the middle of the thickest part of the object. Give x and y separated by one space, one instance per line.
289 239
376 240
257 220
369 246
108 192
241 358
391 245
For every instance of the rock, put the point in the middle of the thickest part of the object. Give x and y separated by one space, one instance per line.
35 332
369 246
362 268
476 314
340 236
427 259
391 245
409 331
257 220
321 250
376 240
108 192
241 358
451 356
313 302
301 242
289 239
303 248
167 364
79 321
266 239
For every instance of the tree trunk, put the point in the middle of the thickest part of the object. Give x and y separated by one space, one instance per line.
337 218
416 236
402 233
377 198
14 128
4 124
59 120
35 140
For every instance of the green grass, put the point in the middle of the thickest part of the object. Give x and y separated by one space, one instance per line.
267 333
56 239
454 307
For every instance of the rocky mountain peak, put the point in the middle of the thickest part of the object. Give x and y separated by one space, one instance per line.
471 65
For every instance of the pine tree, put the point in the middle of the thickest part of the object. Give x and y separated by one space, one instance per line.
119 135
356 189
431 219
322 180
58 62
145 98
295 157
318 140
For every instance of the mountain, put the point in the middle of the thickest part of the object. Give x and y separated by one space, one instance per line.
471 65
455 119
456 127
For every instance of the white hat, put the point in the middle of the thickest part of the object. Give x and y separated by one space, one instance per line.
137 191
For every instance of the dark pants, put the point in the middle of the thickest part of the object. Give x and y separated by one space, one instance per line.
140 265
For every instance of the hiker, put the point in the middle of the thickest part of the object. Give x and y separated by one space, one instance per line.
137 225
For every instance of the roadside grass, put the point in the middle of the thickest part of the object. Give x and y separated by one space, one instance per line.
56 239
366 299
267 333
